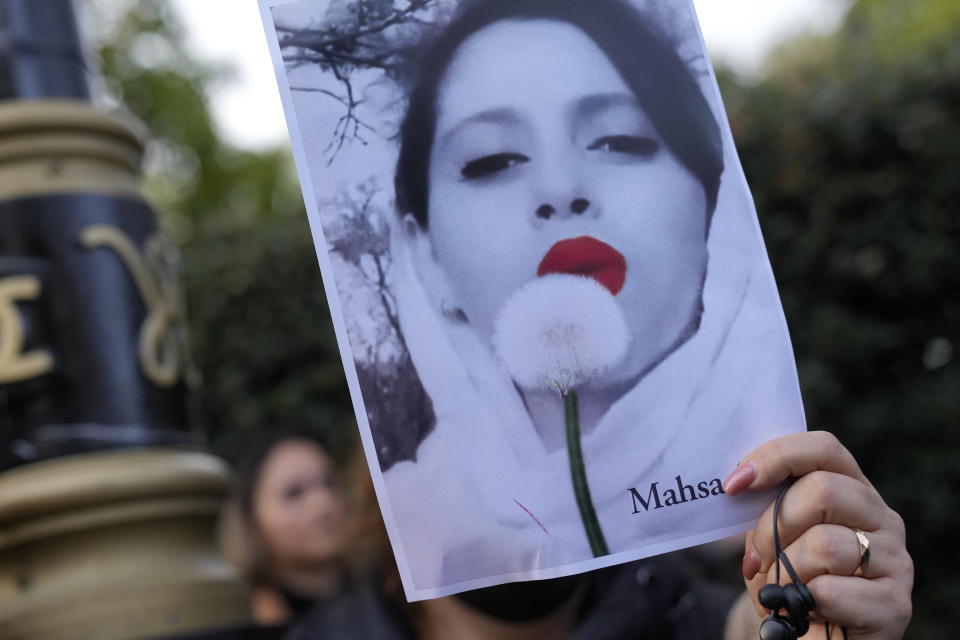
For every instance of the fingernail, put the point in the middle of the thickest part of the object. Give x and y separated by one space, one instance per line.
751 564
741 478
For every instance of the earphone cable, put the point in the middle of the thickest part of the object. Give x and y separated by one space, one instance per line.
782 557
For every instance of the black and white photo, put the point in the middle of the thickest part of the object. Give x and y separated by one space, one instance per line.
555 309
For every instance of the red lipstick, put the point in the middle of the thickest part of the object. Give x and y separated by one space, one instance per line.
586 256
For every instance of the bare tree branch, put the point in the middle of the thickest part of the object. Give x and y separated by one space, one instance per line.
325 92
364 39
323 40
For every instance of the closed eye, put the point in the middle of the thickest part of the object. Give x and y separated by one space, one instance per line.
631 145
489 165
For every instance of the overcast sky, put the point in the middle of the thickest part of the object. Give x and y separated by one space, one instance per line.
737 32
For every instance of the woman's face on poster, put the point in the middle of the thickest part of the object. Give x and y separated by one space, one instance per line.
538 140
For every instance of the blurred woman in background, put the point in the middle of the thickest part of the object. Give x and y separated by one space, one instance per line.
282 527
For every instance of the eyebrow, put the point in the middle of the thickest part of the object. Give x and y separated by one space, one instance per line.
497 115
593 104
584 107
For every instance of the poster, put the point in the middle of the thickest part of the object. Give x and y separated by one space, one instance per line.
550 291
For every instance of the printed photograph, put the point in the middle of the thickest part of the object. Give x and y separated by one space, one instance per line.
546 272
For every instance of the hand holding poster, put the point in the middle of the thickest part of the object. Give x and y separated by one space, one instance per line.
556 314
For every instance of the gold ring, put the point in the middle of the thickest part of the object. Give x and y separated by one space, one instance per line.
864 543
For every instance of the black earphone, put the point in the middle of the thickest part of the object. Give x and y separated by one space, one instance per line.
794 597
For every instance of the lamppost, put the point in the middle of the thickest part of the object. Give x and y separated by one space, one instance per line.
107 501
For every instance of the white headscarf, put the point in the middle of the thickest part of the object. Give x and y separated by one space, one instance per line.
486 502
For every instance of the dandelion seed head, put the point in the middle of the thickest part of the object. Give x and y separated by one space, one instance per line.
561 332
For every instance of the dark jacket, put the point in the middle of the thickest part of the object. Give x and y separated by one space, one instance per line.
646 600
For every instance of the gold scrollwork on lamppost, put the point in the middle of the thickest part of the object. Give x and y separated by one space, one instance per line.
15 365
162 346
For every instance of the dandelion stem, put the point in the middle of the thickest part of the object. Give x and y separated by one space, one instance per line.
579 474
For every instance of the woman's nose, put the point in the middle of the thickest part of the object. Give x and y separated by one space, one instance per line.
576 207
561 184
